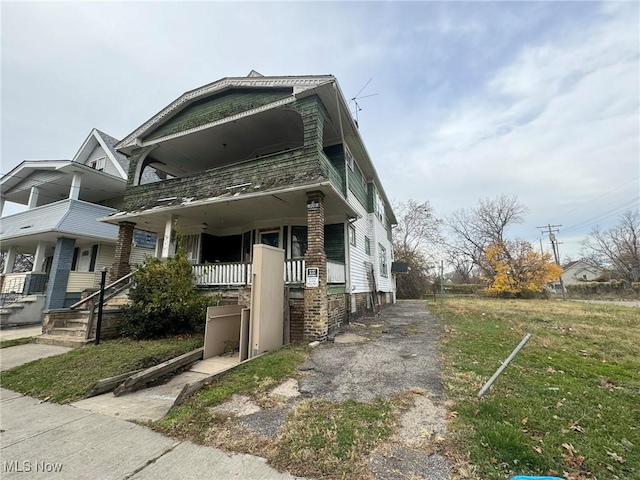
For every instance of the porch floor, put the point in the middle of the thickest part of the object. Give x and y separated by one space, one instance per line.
216 364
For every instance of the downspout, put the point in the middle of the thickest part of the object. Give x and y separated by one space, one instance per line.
347 256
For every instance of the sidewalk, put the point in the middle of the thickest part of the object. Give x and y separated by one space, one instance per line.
44 440
12 333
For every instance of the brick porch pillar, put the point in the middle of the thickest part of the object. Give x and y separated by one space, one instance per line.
121 266
316 324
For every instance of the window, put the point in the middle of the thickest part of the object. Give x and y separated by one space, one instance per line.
99 164
298 242
349 158
379 207
367 246
352 235
363 181
383 260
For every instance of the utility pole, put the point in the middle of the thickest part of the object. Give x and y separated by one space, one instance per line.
550 229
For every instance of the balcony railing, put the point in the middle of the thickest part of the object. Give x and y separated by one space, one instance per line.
239 274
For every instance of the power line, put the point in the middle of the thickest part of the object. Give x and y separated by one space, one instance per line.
614 211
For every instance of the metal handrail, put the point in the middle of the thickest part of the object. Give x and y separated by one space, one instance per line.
108 287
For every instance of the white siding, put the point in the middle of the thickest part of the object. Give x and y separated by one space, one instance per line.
368 224
385 284
357 255
98 152
36 178
138 255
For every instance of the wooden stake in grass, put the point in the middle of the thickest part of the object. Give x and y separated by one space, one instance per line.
504 365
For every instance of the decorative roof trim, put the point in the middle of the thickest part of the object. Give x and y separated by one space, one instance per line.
237 116
220 85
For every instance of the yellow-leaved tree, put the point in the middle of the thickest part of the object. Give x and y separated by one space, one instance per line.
517 270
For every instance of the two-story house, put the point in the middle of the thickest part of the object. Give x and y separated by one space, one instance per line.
60 227
273 160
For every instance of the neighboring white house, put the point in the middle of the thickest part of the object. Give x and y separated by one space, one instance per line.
579 271
64 199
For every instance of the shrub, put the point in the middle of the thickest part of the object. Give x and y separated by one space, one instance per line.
164 300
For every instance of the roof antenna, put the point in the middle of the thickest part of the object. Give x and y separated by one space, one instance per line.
355 99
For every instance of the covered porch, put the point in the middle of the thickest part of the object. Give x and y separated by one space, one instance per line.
240 274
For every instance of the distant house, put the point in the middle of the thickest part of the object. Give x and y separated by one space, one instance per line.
580 271
265 160
577 272
64 199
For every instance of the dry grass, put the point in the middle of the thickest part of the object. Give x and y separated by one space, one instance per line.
567 405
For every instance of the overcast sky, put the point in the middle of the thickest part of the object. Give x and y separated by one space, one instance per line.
472 99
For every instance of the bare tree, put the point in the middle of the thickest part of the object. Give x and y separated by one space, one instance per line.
23 263
415 239
473 229
617 248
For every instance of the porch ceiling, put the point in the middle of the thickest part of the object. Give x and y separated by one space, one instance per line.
231 216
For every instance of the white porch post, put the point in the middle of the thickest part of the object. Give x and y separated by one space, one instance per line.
1 205
10 259
76 181
33 197
38 258
169 242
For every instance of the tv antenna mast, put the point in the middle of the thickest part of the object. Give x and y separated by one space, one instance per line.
355 99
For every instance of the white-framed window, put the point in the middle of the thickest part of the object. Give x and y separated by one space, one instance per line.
349 158
367 245
99 164
379 207
352 235
382 254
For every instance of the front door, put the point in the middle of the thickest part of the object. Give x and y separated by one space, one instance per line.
84 260
270 237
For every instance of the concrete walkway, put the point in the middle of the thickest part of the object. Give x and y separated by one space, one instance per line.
20 354
20 332
44 440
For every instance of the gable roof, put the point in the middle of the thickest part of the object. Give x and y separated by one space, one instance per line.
298 83
107 142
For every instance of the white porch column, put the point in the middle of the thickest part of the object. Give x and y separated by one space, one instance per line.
10 259
38 258
1 205
76 181
169 241
33 197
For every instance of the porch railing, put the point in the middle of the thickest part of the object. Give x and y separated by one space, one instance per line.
237 274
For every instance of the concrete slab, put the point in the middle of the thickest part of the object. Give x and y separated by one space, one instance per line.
20 332
20 354
17 414
149 404
6 395
350 338
94 446
215 365
188 461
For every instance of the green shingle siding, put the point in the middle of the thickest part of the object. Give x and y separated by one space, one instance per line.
335 154
292 168
355 184
215 108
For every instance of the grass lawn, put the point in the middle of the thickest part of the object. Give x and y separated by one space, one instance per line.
568 405
14 341
68 377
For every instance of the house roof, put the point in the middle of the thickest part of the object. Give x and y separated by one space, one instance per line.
325 86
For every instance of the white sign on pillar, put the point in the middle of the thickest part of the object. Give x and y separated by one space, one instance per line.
313 277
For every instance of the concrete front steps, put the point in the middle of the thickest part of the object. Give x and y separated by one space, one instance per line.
68 328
